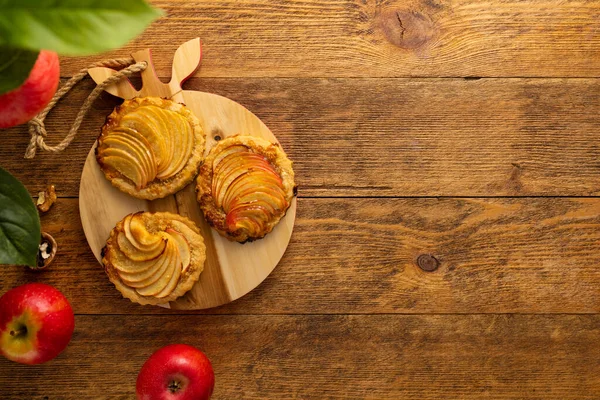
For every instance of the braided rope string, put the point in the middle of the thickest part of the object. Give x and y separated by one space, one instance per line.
37 128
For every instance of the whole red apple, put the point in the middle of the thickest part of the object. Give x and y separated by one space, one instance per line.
36 323
25 102
176 372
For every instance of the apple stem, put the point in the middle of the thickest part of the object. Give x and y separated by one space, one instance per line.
22 330
174 386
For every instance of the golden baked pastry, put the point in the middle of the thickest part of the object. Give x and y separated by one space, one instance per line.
154 258
150 147
245 186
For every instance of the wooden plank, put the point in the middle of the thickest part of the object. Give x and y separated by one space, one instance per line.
361 38
386 137
359 256
333 357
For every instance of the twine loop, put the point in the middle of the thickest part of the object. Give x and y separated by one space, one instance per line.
37 127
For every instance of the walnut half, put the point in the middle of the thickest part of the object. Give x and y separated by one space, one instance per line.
46 198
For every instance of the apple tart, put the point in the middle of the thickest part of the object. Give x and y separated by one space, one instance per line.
154 258
245 186
150 147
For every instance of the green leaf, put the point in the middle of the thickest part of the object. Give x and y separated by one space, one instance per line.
20 231
73 27
15 66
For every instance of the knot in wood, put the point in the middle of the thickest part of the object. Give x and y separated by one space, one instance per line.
407 29
427 262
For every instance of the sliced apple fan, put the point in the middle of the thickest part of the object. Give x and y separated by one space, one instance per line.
245 186
151 255
150 147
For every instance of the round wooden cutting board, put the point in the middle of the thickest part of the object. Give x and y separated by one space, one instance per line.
231 269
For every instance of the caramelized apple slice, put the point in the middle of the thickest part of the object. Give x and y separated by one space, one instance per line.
260 202
233 161
125 164
244 193
122 144
174 262
256 176
138 137
168 289
146 278
125 264
233 164
269 172
250 219
233 157
174 279
184 251
162 120
140 237
155 120
183 246
150 277
257 212
273 204
135 253
126 223
182 140
130 143
238 148
146 128
253 182
230 169
223 182
134 134
140 233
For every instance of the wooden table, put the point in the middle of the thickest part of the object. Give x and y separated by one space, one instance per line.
451 135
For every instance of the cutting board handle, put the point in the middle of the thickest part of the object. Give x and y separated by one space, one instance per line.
185 62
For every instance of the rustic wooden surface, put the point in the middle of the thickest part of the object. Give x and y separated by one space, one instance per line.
382 38
495 181
389 137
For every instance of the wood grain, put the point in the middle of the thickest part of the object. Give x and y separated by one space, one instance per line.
360 38
386 137
333 357
496 256
511 309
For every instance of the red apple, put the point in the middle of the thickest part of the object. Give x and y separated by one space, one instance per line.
176 372
25 102
36 323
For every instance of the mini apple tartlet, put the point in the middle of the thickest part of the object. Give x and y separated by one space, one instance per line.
245 186
154 258
150 147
